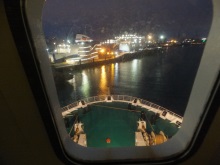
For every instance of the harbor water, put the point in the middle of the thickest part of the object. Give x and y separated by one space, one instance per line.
165 78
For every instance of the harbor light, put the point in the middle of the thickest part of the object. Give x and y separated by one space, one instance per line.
149 37
204 40
161 37
102 51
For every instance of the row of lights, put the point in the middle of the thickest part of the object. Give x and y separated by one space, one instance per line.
149 37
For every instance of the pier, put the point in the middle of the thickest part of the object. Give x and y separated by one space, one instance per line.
83 63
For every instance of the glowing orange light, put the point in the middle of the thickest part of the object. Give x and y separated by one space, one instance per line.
102 51
108 140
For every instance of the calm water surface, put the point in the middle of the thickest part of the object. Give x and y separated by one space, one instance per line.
165 78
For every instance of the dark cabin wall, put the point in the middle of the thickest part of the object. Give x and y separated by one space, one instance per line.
23 138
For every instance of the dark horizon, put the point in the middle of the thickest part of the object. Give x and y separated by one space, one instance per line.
103 19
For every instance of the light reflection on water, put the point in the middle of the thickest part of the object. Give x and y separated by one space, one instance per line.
85 83
103 81
165 79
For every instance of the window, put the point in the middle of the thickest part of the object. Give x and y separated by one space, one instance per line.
194 109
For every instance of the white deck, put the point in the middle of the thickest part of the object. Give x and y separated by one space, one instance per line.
82 140
139 140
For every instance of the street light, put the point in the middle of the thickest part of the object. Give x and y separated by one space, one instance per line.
161 37
149 37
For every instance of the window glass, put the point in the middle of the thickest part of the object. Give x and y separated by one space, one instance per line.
124 70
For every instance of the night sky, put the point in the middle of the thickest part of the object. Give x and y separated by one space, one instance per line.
101 19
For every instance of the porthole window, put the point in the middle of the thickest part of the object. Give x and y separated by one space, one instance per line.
126 80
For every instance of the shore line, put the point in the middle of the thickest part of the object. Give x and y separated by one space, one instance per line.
92 63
